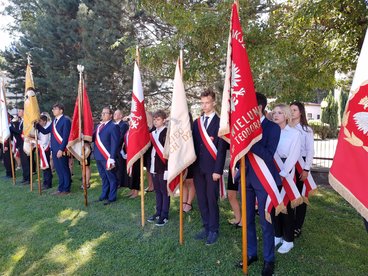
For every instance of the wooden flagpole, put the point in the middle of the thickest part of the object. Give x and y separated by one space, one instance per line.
181 223
10 143
31 167
38 163
12 160
81 135
137 58
244 202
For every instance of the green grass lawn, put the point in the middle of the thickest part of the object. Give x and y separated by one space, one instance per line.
50 235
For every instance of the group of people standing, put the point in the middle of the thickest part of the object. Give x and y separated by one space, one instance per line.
286 135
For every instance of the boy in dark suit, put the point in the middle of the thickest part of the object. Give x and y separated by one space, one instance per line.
265 149
208 168
106 138
60 130
158 169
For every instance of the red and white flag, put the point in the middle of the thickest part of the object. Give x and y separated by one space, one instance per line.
240 123
82 123
348 173
4 120
139 139
179 139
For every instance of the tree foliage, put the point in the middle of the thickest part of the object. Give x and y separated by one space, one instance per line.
330 114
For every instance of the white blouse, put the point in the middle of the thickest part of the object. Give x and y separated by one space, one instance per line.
307 145
289 148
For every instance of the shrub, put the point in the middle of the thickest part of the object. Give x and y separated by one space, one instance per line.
319 128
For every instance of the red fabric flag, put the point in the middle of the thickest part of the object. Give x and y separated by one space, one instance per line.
138 136
75 139
348 173
240 123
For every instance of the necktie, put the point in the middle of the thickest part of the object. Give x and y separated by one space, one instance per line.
55 121
205 122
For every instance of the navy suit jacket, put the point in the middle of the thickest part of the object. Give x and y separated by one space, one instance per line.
205 163
63 126
160 167
109 136
16 128
123 127
266 148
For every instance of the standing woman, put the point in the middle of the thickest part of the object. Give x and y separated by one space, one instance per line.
288 150
299 121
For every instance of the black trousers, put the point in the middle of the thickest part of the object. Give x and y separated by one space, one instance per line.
301 210
24 160
7 163
284 224
134 180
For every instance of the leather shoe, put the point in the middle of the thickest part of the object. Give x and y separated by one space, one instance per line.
268 268
250 260
212 238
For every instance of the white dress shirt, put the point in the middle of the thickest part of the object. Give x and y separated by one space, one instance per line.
307 145
289 148
210 117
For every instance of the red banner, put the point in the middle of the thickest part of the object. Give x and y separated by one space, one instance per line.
240 122
139 139
74 141
348 173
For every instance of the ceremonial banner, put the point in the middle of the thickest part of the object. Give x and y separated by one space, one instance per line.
31 109
240 123
348 173
4 120
139 140
84 127
179 137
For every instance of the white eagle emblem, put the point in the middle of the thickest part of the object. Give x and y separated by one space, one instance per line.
361 120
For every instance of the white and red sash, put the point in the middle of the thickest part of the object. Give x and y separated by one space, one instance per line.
101 147
289 190
43 160
210 146
264 175
56 134
158 147
309 183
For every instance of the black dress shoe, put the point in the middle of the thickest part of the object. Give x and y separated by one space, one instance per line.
212 238
251 259
268 268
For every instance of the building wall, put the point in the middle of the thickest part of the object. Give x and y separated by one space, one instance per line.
313 111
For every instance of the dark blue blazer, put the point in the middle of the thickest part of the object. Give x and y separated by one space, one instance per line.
266 148
16 128
109 136
63 127
205 163
123 127
160 167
